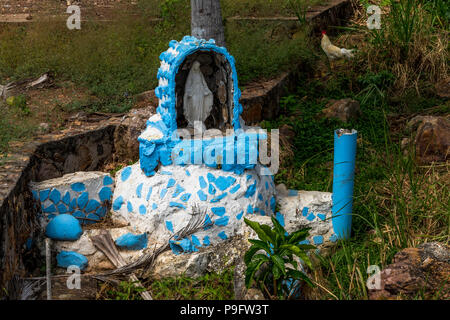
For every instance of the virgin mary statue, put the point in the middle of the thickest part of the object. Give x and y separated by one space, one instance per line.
198 99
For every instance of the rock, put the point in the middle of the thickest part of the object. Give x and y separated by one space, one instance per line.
344 109
163 204
287 131
130 241
85 195
64 227
126 134
254 294
432 141
416 271
443 88
71 258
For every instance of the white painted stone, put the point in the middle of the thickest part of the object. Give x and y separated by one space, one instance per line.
160 210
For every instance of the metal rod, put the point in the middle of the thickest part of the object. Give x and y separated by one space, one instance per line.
48 261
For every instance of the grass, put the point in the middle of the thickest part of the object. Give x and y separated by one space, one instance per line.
115 61
212 286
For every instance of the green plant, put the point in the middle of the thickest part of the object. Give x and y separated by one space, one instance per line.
404 21
126 290
271 269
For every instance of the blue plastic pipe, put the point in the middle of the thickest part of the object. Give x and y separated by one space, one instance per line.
343 181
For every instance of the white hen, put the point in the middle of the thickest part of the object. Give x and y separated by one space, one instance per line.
333 52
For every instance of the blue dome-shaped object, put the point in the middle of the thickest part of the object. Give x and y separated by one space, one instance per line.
64 227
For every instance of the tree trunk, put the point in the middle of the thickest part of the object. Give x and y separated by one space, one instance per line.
206 21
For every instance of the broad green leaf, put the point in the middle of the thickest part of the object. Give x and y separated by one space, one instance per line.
261 244
250 273
299 253
258 229
278 227
279 262
250 253
269 232
298 236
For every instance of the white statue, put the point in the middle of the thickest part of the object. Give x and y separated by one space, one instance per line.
198 99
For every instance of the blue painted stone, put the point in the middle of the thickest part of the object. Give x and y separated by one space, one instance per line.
185 197
177 204
73 204
167 173
188 173
304 242
64 227
195 241
79 214
249 209
50 209
29 243
305 211
139 190
83 200
78 186
55 196
169 226
267 185
318 240
202 182
211 190
66 198
125 174
280 218
163 193
179 189
321 216
219 211
201 195
92 218
210 177
129 207
235 188
262 212
51 216
183 246
251 190
207 224
131 241
260 197
154 206
117 204
333 238
239 216
92 205
71 258
35 194
142 209
149 193
43 195
218 198
222 235
255 210
100 212
206 241
171 183
105 194
223 183
311 217
62 208
273 203
223 221
107 180
249 176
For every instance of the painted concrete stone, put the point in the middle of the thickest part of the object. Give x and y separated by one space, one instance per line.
310 209
64 227
85 195
169 196
71 258
131 241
